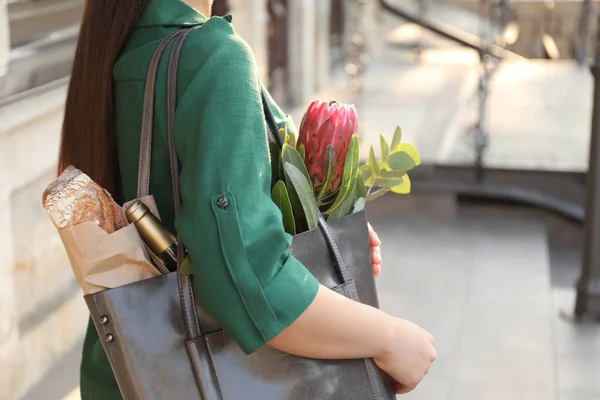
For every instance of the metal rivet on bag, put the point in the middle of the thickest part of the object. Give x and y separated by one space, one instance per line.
223 202
104 320
109 338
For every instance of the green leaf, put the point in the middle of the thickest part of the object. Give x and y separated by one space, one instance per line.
364 167
373 162
397 138
388 183
302 151
359 205
305 193
329 167
345 208
350 170
404 159
377 194
367 173
404 187
276 171
283 134
281 198
186 268
291 139
291 155
361 190
391 174
385 149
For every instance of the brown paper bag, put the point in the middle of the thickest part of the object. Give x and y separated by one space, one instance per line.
103 261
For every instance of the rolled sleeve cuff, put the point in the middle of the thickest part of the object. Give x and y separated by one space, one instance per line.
288 294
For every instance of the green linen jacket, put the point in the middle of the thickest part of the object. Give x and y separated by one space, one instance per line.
243 274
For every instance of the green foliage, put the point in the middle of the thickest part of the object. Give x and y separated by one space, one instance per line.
350 170
290 155
397 138
301 150
329 167
301 194
389 174
281 198
385 149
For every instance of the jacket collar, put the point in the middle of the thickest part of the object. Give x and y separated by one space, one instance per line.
169 13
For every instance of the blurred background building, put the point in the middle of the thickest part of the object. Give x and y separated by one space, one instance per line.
489 252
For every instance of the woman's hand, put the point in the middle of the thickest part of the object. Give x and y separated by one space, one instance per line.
409 355
375 251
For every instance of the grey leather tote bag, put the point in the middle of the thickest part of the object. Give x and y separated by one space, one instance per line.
162 345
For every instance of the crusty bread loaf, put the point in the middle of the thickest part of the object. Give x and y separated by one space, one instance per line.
74 198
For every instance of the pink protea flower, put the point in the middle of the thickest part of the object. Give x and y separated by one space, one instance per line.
327 123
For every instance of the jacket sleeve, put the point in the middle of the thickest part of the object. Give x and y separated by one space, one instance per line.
232 229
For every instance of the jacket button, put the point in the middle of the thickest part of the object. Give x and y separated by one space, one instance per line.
223 202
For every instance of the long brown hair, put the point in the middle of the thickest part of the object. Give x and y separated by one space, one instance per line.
88 139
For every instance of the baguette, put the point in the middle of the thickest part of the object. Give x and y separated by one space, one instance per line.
74 198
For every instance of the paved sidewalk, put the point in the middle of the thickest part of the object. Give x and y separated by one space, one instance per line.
482 287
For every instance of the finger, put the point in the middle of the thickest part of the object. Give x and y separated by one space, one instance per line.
376 255
376 269
373 237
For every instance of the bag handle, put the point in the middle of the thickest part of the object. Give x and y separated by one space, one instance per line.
186 294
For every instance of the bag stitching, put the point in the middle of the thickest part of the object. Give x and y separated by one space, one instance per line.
370 378
194 313
212 364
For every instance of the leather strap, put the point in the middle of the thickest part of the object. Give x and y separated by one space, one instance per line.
186 292
337 255
148 116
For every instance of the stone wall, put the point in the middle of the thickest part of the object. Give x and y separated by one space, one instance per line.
43 314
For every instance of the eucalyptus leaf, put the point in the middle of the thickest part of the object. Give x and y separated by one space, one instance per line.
367 173
397 138
305 194
390 174
377 194
281 198
373 162
402 160
350 170
410 150
359 205
291 155
388 183
385 149
402 188
329 169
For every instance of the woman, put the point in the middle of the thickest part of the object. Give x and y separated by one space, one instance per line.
257 291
